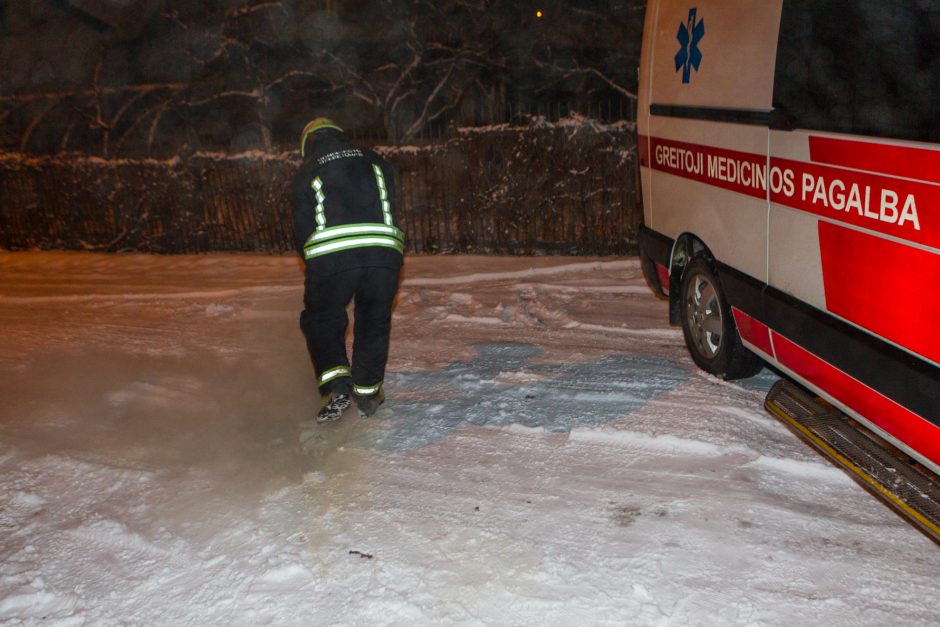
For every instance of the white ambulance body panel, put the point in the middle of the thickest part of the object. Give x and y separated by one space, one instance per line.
795 236
801 157
739 81
726 218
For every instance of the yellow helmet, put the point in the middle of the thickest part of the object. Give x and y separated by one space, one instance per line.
313 126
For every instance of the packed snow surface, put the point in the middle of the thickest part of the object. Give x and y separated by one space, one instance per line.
548 455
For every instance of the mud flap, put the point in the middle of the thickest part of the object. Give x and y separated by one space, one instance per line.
912 491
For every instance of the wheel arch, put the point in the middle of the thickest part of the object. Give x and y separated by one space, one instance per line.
686 246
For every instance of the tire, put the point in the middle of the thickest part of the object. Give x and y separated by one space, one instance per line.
708 326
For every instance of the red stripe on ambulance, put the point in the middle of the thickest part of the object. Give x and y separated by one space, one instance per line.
741 172
901 423
914 163
663 273
880 285
753 331
896 207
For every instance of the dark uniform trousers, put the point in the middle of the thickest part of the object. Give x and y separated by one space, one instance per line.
324 323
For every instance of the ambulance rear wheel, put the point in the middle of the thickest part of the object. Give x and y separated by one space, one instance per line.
708 326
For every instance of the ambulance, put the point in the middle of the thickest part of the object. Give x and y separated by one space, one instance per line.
790 172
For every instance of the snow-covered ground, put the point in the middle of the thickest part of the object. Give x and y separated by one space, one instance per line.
548 455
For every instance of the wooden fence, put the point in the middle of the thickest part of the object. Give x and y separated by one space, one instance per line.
566 188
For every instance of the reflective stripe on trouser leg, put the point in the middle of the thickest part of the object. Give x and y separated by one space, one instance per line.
334 373
367 390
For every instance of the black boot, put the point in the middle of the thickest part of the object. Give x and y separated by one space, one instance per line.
369 404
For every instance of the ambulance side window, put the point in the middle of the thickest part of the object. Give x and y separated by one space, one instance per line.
867 67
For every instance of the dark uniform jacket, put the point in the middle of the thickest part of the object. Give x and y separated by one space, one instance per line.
343 207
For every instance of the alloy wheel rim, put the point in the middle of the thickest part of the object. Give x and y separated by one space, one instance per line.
704 316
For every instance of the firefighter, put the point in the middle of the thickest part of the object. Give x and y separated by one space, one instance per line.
346 232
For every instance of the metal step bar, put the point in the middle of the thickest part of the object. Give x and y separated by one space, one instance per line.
909 489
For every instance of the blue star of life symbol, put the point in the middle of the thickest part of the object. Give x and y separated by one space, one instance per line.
689 35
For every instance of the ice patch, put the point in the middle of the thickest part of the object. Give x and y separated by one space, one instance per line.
503 387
